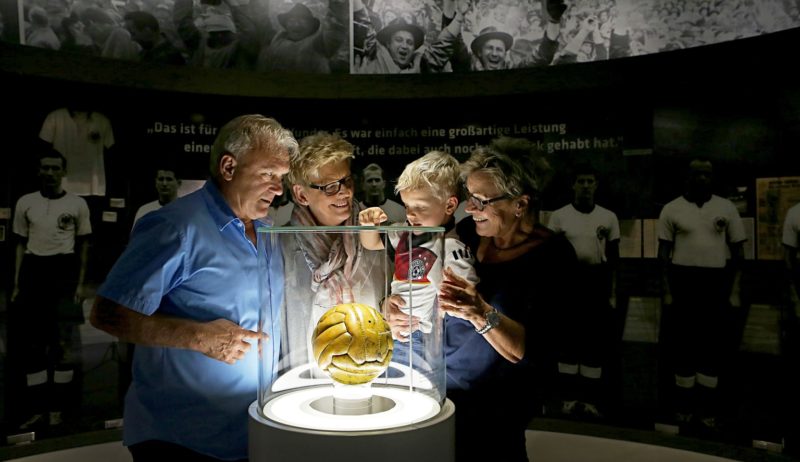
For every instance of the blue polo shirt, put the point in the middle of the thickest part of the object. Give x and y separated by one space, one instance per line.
192 259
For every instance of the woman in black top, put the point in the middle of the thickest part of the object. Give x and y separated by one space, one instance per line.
499 333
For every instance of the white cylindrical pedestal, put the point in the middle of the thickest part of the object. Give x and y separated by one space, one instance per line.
431 440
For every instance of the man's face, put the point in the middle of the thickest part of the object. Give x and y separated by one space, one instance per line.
51 171
254 180
298 28
701 174
586 52
585 186
374 184
493 54
167 185
500 12
401 47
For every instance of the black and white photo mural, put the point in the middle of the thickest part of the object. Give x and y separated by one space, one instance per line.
384 36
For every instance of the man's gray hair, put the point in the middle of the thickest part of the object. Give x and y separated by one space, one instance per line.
248 133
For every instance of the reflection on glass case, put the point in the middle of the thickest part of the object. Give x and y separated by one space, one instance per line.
335 369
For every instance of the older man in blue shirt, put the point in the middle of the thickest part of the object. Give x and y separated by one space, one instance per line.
186 290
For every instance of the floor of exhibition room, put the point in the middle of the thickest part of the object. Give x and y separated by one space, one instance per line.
543 446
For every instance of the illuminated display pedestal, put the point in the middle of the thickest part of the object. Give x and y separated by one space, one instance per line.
397 425
333 385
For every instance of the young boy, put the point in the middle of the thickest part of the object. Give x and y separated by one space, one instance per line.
429 188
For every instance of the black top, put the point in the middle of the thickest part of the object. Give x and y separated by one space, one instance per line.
532 289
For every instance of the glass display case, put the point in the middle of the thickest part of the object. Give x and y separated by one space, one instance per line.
331 369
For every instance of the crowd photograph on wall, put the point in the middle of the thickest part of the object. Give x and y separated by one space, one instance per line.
383 36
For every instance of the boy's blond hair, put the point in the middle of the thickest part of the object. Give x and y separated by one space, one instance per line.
436 170
316 151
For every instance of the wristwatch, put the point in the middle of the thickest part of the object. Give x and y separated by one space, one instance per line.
492 320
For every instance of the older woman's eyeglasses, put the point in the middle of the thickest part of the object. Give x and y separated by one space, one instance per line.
481 204
333 188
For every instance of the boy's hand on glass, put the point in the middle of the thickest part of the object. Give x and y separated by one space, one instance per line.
372 216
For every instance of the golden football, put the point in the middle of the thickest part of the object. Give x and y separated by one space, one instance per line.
353 343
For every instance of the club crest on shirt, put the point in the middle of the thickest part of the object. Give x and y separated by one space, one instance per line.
66 221
417 267
602 232
720 224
